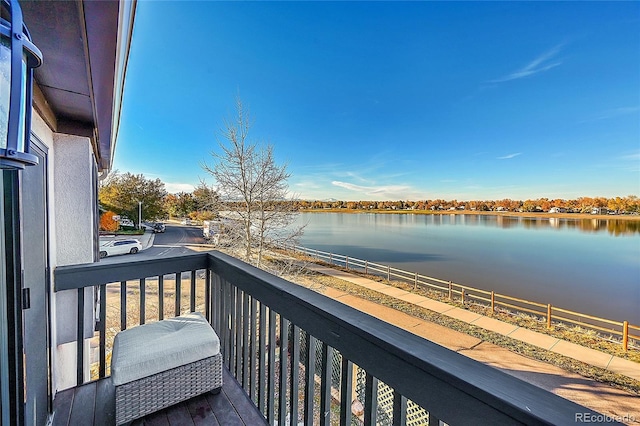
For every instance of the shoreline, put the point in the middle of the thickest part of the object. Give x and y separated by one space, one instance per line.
532 215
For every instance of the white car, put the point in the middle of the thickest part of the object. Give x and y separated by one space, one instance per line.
112 248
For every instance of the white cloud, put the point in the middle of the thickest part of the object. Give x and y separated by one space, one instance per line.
386 192
174 188
540 64
616 112
509 156
635 156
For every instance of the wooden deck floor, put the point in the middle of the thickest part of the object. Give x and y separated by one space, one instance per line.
94 404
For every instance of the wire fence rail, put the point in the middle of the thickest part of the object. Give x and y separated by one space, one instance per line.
622 332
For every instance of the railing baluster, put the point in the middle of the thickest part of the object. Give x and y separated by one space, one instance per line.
399 409
161 297
232 329
227 320
123 305
80 339
143 313
272 368
370 400
282 382
433 420
192 295
177 307
325 385
238 329
262 345
346 389
217 304
253 386
103 331
309 382
207 296
245 342
294 353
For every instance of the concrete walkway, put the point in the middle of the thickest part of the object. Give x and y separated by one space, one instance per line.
595 395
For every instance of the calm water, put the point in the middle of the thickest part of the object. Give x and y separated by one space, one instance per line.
590 266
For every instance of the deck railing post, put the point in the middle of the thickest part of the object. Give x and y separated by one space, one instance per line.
625 335
462 296
549 315
493 301
450 290
415 281
143 302
80 339
366 266
388 273
346 262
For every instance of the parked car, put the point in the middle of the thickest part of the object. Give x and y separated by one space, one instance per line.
112 248
186 222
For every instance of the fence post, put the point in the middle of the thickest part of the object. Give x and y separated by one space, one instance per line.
493 301
366 266
331 258
449 290
549 315
415 282
462 296
346 262
388 273
625 335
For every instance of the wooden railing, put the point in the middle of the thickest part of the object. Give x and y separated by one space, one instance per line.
626 334
270 329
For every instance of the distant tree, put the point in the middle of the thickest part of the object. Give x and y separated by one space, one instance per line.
529 206
122 192
185 204
171 205
206 198
252 185
108 223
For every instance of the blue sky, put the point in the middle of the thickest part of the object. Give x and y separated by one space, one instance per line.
389 101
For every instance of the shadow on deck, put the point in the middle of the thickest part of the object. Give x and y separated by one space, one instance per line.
94 404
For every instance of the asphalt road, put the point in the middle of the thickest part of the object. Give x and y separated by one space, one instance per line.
173 242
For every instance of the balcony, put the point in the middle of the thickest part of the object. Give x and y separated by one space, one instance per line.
291 353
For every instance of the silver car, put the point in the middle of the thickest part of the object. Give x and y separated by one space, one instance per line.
112 248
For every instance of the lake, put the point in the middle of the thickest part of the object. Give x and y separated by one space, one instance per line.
590 266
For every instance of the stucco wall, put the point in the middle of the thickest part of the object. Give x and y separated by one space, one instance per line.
74 233
71 201
75 201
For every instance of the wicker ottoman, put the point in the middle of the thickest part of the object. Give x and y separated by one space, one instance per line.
160 364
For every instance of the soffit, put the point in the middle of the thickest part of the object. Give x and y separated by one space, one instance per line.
78 42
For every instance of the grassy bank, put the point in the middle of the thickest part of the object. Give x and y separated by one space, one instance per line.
318 282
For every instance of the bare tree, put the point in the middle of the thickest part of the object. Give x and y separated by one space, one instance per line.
253 189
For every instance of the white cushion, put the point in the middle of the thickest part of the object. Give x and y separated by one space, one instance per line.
160 346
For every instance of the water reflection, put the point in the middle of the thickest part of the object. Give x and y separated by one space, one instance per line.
615 227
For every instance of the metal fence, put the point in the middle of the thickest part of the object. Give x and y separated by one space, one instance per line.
622 332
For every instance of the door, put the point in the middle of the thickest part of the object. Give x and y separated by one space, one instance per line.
36 324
